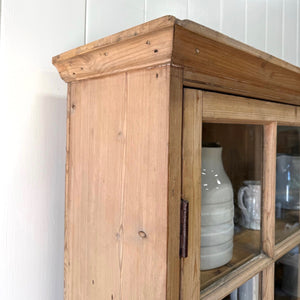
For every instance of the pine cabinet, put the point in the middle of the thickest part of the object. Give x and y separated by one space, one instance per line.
142 104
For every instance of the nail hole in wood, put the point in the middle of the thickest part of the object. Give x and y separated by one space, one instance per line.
155 50
142 234
156 75
93 281
74 73
148 43
73 106
81 68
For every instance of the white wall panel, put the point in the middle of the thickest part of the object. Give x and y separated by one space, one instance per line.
108 17
256 23
32 156
274 27
290 31
233 21
159 8
207 13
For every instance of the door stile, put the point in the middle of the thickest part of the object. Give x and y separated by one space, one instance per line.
191 190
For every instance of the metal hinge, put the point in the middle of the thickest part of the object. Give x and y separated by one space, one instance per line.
184 228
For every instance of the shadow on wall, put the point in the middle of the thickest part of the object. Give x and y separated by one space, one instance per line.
32 210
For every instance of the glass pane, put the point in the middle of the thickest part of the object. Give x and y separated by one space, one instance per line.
231 197
286 276
250 290
287 181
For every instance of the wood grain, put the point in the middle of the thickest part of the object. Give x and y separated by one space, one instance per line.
95 201
268 282
226 40
67 273
210 60
174 188
269 183
154 48
219 66
144 262
123 36
232 109
236 278
116 241
191 191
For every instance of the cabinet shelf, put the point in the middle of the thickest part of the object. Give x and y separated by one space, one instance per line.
245 248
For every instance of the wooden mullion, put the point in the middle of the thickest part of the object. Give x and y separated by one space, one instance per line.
191 191
268 282
269 183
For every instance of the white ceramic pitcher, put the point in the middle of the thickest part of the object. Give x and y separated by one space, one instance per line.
249 201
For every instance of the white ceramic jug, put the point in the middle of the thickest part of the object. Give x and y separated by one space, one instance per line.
217 211
249 201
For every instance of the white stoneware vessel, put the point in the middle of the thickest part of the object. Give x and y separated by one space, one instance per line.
217 211
249 201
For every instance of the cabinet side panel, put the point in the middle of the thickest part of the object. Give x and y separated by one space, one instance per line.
144 216
116 236
93 247
67 202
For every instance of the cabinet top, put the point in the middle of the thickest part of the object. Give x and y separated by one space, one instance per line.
209 60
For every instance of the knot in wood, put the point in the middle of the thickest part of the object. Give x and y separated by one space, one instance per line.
142 234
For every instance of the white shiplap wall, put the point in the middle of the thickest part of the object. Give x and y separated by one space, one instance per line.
269 25
33 108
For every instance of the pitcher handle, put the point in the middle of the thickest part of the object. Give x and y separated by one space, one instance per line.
241 203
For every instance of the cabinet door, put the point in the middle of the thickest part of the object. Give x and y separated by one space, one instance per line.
246 130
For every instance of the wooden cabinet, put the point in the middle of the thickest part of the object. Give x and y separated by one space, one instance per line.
140 105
